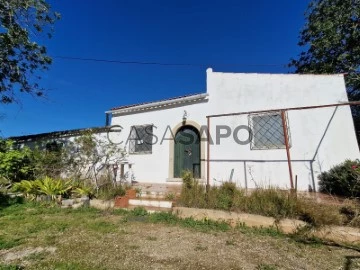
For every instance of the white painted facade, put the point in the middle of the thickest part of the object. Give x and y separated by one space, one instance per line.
320 138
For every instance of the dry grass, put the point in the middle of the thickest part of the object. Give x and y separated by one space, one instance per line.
269 202
91 239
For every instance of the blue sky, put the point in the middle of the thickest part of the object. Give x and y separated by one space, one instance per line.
234 36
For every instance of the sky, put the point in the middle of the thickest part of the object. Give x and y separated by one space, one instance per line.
229 36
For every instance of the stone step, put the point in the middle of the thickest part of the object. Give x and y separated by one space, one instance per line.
152 195
151 203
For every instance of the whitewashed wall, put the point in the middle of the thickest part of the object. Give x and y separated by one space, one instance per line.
315 134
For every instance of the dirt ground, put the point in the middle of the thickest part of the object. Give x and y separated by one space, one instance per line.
82 240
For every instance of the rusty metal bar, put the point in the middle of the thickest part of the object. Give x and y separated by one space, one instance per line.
286 137
208 156
287 109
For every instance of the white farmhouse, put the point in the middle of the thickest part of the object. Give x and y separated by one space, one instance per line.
236 131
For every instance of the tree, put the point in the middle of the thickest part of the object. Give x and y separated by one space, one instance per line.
331 38
93 158
22 23
15 164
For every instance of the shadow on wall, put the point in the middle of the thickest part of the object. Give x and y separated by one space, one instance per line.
309 161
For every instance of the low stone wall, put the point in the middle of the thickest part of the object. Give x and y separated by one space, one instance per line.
75 203
332 233
101 204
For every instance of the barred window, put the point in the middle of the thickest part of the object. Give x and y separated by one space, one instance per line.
267 131
140 140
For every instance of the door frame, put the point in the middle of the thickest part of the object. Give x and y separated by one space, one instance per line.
172 149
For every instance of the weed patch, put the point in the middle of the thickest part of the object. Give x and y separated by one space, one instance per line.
101 226
10 267
7 244
269 201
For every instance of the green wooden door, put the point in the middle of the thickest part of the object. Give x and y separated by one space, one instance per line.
187 151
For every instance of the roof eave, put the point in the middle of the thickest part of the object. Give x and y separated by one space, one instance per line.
159 104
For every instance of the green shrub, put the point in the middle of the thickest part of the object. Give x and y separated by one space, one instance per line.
342 180
15 164
270 202
139 212
109 191
192 192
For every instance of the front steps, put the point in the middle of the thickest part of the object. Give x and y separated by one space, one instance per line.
150 202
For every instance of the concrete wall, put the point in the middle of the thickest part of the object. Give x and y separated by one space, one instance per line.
320 138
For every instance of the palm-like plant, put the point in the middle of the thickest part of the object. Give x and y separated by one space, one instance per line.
84 191
54 188
29 188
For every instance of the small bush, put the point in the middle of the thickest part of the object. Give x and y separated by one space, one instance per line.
192 192
139 212
109 191
342 180
270 202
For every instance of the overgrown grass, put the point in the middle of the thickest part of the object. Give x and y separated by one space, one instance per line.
76 233
140 214
267 202
10 267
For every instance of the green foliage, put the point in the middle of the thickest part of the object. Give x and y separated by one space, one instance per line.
29 188
49 162
271 202
53 188
342 179
21 57
139 212
109 191
84 191
6 244
47 186
331 40
10 267
331 36
15 164
192 192
170 196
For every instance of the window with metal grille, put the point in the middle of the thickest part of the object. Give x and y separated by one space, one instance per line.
267 131
140 140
